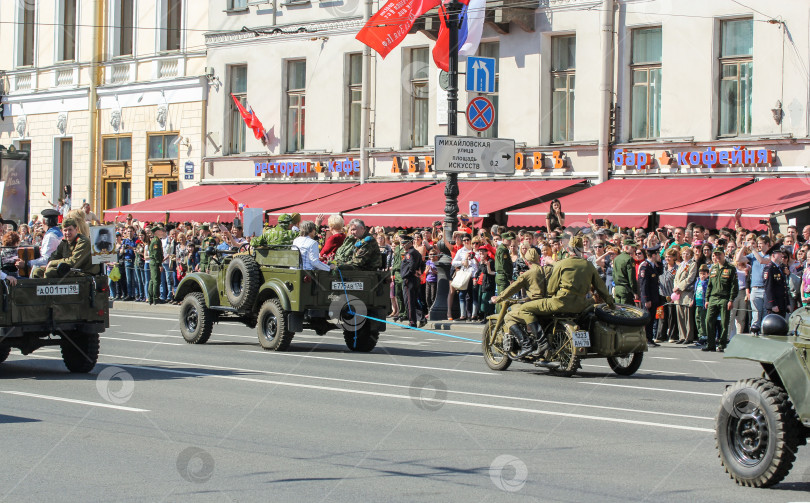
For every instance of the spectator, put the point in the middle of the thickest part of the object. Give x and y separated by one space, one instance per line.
90 217
464 260
739 306
701 285
667 326
758 259
8 254
25 235
431 278
684 296
555 217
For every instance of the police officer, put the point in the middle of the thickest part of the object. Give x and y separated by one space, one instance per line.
410 270
776 275
503 263
155 264
720 293
648 273
624 275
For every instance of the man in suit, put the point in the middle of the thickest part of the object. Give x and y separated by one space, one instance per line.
648 273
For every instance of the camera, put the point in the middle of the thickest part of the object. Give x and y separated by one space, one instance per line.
764 221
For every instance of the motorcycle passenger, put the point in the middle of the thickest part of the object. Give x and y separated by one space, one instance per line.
534 282
568 287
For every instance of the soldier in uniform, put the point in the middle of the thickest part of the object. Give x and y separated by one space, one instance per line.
155 264
359 250
396 275
624 275
410 270
533 282
205 255
281 234
720 293
73 252
776 275
648 278
503 263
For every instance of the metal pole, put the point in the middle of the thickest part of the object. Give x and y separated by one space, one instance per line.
439 309
365 117
606 89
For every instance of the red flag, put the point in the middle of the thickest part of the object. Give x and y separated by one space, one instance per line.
441 51
234 203
387 28
250 119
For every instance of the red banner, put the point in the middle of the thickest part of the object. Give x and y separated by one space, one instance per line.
388 27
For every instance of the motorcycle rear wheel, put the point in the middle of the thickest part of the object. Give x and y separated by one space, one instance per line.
562 350
494 356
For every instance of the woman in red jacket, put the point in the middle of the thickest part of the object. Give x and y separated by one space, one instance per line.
335 239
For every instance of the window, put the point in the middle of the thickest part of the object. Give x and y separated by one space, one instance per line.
236 126
65 162
116 148
28 17
355 99
237 4
162 164
420 96
563 64
645 120
491 50
296 101
736 70
67 44
163 146
25 146
172 16
125 18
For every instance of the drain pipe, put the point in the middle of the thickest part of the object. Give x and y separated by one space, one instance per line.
605 88
95 79
365 116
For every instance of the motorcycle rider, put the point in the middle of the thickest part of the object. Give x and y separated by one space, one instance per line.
568 287
534 282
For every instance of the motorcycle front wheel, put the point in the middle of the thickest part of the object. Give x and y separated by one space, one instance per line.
494 355
562 350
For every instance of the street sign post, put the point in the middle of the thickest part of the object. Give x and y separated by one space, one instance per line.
480 75
480 113
468 154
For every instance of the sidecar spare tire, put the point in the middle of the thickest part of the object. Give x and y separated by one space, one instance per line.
622 314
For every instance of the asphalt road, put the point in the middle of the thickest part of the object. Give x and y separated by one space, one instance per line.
420 418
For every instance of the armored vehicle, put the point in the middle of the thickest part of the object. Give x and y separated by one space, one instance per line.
266 288
69 312
762 421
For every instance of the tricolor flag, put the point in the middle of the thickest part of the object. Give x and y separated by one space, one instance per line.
469 33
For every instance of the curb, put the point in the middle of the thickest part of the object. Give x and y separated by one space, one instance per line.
120 305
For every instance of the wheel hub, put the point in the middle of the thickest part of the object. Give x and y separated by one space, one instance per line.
750 437
191 319
270 327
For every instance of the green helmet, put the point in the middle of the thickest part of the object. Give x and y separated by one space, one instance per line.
284 219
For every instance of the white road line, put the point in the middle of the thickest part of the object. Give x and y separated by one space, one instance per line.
438 369
147 342
663 358
645 370
705 361
652 389
71 400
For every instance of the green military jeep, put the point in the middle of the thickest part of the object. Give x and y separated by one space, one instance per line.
69 312
267 289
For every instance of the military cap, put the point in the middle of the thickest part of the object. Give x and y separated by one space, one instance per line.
575 243
405 238
777 247
284 219
50 213
653 248
508 235
531 256
629 242
205 227
156 228
401 232
719 249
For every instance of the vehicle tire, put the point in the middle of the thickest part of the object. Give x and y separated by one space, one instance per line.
494 356
366 339
80 351
272 327
757 433
622 314
562 350
626 365
196 320
242 282
4 352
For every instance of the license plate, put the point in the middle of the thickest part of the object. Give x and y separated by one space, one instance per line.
349 285
57 290
582 339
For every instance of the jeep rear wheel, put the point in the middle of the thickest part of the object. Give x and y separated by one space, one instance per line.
272 327
196 321
80 351
242 281
4 352
363 340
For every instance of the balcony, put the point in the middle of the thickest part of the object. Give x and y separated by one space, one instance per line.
64 77
119 73
24 81
167 68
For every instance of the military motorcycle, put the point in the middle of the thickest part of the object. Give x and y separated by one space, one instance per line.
598 332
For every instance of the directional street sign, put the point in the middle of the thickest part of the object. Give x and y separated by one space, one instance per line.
480 113
468 154
481 75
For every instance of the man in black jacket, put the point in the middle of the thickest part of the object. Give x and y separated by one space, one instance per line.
648 273
777 296
410 269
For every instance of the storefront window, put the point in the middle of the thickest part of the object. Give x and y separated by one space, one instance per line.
563 65
646 70
736 72
420 96
296 104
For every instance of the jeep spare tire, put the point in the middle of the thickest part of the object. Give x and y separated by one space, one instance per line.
242 281
622 315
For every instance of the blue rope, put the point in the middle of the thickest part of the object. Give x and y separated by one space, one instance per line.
351 312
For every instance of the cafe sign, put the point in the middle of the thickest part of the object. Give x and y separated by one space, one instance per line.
710 158
293 168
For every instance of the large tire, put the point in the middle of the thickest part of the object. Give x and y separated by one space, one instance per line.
626 365
562 351
196 320
272 327
242 282
623 315
80 351
494 356
366 339
757 433
4 352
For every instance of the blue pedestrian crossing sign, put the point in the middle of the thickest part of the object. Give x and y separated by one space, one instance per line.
480 75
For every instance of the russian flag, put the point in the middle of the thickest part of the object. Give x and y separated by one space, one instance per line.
469 33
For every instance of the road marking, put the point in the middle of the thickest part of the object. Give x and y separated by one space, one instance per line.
147 342
373 363
71 400
652 389
252 337
646 370
704 361
663 358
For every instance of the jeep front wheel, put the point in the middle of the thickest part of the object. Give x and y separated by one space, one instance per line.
272 327
196 321
80 351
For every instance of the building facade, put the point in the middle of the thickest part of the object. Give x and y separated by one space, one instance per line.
107 95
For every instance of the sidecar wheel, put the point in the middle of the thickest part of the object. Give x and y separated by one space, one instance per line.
493 356
626 365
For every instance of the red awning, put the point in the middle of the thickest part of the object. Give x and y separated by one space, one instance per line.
352 199
203 203
628 202
758 201
423 207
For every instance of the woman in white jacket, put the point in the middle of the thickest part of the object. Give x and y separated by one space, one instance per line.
464 263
